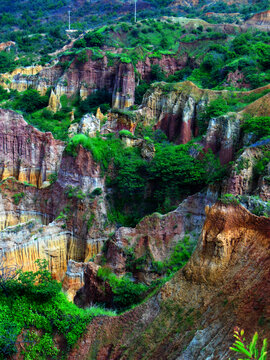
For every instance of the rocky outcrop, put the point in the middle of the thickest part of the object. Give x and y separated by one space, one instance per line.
224 284
175 108
223 135
88 125
156 235
29 155
118 120
95 289
262 18
244 178
21 78
54 102
124 87
7 45
26 153
74 278
80 171
237 80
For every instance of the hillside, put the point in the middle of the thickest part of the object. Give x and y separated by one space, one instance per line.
41 27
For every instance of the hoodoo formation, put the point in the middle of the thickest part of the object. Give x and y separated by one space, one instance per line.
134 180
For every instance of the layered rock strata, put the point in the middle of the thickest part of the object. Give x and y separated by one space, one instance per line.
262 18
24 243
31 156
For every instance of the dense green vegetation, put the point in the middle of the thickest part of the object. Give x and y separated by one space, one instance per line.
125 291
259 126
33 106
33 305
248 53
172 173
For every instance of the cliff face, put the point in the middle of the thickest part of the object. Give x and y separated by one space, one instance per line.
26 153
24 243
176 108
224 284
154 238
29 155
223 135
244 178
85 77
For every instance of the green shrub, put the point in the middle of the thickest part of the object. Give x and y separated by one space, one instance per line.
262 164
52 178
82 57
140 90
17 197
125 291
250 351
172 173
227 199
30 100
99 98
214 109
74 192
7 62
157 74
4 95
94 39
126 133
179 257
96 192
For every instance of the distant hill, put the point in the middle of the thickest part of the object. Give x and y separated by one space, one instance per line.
39 28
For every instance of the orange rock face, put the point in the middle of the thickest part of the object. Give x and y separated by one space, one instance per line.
6 45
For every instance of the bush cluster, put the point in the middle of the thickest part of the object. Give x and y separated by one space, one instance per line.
33 302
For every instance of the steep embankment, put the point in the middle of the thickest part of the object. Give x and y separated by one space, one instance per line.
224 284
